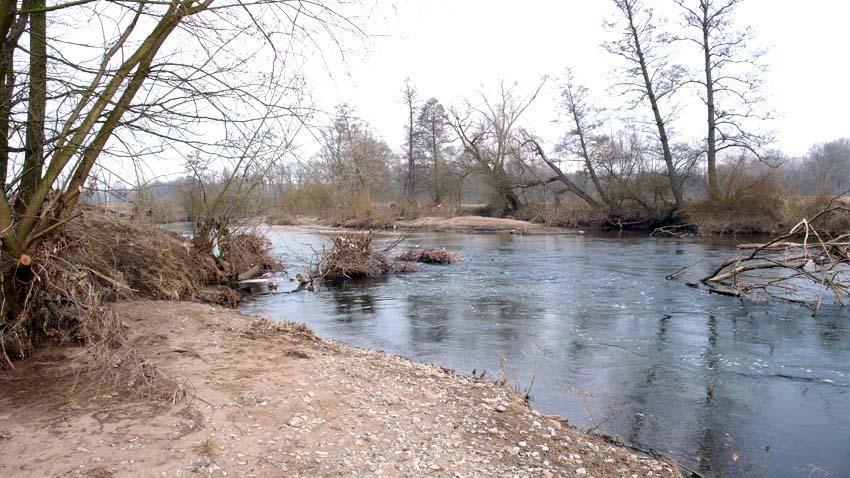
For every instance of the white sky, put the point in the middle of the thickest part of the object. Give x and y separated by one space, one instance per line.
450 49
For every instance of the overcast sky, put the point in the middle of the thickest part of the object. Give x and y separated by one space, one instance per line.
450 48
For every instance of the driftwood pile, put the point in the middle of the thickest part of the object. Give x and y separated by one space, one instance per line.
430 256
349 256
807 265
246 251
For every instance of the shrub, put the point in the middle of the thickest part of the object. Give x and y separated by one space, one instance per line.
357 211
566 214
307 199
751 204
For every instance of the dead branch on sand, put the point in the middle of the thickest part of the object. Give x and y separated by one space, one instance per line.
800 266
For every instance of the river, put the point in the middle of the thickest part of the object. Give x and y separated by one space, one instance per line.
728 387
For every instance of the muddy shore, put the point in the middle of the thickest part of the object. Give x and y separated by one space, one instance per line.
265 402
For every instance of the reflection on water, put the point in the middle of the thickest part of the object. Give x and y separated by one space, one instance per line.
693 375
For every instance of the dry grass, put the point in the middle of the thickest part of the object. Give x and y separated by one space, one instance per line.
834 222
115 366
769 213
100 257
93 259
131 259
338 206
358 211
430 256
569 214
750 205
208 447
265 327
307 199
278 216
299 329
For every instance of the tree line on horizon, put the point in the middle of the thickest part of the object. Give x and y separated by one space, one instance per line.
629 163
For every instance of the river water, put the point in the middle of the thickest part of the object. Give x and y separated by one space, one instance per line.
710 380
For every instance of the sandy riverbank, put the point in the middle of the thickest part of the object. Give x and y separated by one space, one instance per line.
464 224
275 403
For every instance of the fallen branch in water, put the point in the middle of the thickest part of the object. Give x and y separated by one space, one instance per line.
778 245
679 231
682 270
801 270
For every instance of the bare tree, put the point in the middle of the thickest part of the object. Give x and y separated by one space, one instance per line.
434 138
649 76
218 197
828 164
730 80
489 135
410 102
583 134
336 154
534 144
352 156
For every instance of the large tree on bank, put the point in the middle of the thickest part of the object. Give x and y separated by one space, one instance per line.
649 77
730 81
150 77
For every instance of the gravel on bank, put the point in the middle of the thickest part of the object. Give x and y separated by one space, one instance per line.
270 401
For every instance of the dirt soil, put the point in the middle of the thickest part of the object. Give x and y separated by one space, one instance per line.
481 224
264 402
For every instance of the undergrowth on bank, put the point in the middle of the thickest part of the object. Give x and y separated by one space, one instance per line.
98 258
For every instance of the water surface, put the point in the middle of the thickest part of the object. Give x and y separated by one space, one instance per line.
710 380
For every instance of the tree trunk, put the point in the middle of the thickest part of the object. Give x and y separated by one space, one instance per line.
11 29
713 187
568 184
512 202
672 174
590 168
506 192
15 333
34 146
410 184
435 152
